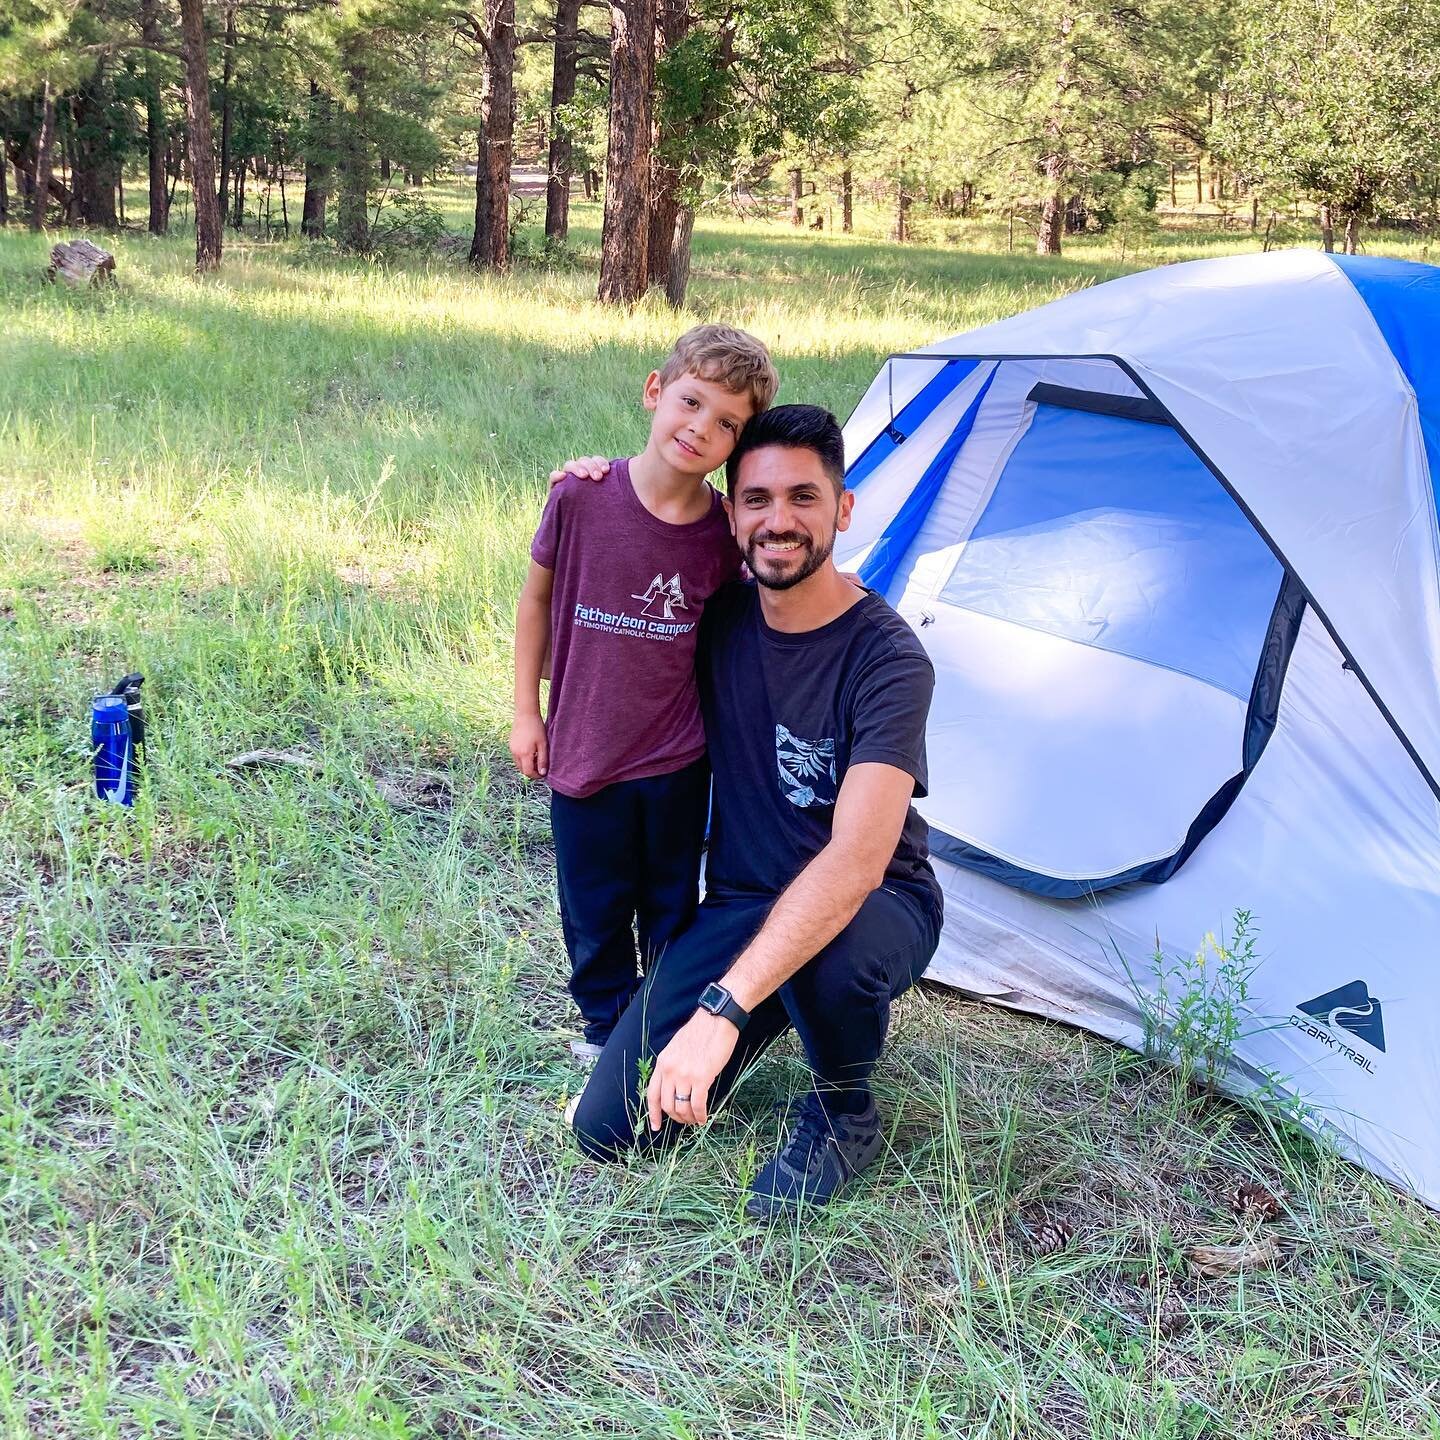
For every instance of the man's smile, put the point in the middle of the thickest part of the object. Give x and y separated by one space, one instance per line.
773 545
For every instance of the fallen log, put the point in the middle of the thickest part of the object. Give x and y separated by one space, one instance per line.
78 262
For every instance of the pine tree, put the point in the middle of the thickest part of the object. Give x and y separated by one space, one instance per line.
1339 101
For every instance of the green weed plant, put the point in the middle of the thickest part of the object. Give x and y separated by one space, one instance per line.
1193 1008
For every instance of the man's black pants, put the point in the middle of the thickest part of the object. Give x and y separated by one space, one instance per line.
839 1004
627 860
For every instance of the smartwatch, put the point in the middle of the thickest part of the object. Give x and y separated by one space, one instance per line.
719 1001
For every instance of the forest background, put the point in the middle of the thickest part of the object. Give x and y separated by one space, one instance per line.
1061 115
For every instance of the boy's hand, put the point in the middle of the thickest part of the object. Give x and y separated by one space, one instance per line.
587 467
530 747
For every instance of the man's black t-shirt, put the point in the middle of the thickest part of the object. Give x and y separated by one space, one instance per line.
786 715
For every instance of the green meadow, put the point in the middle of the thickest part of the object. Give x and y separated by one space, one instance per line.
283 1050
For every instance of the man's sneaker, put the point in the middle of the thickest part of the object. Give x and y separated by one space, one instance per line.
822 1154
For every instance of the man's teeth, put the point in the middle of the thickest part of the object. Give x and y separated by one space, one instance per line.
778 545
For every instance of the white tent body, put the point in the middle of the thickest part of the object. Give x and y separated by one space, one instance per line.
1171 543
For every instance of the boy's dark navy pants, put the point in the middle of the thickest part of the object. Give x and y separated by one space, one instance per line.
839 1004
627 859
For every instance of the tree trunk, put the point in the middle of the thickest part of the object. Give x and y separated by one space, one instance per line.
562 146
237 219
385 169
623 269
357 163
682 236
902 213
1327 230
1199 177
1173 201
678 280
156 136
24 185
67 159
797 215
847 201
490 245
44 150
227 75
1352 233
1057 162
4 188
208 238
318 172
176 167
672 21
1052 209
96 167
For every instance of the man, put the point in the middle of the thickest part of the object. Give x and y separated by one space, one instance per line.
820 904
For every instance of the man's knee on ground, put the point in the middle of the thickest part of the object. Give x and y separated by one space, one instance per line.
604 1134
597 1132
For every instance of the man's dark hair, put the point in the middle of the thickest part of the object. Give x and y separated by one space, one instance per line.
797 427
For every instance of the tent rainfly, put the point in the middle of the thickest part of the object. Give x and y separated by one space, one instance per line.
1171 543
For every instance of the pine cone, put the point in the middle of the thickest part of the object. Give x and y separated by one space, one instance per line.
1171 1316
1250 1200
1050 1235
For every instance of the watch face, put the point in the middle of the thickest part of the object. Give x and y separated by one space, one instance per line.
713 997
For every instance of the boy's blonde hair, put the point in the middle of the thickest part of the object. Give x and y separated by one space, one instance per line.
728 357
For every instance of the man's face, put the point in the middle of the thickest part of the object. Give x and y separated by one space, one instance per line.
697 422
785 514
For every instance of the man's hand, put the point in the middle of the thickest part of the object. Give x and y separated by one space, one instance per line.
688 1066
587 467
530 747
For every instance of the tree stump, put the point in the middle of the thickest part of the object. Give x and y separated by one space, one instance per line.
78 262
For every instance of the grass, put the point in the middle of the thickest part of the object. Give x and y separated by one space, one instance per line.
280 1128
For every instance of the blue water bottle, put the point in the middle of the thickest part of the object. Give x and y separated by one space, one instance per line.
116 732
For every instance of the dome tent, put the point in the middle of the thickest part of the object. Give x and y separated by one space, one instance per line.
1171 543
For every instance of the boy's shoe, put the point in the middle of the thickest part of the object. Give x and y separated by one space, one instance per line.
572 1105
823 1153
587 1054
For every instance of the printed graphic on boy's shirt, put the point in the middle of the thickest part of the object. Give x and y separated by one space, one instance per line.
656 620
663 598
807 768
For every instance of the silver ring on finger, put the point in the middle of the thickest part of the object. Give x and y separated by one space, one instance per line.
681 1099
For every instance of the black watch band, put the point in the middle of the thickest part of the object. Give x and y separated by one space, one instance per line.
717 1000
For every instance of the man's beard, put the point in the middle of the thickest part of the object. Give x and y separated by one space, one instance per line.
814 559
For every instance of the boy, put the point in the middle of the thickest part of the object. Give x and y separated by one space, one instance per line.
619 576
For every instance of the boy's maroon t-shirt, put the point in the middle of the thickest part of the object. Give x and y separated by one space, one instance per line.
625 611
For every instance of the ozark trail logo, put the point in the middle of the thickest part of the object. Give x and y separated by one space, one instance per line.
1348 1010
807 768
663 598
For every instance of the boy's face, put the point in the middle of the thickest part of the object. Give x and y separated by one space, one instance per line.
697 422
